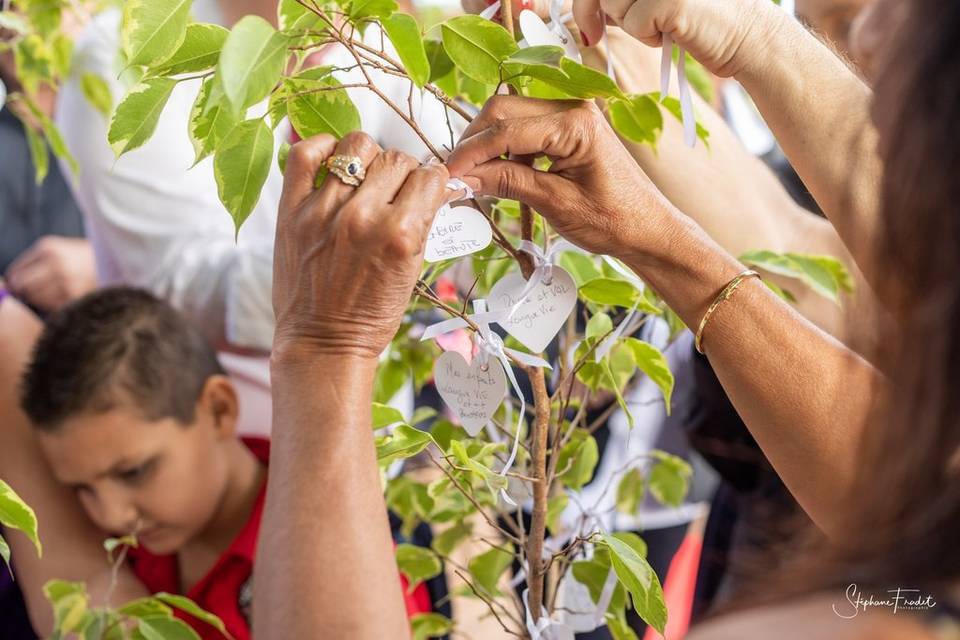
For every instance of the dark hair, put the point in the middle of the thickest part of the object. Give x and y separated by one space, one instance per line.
115 346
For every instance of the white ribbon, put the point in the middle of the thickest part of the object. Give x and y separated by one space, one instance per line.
543 268
610 584
490 345
489 12
546 628
686 100
456 184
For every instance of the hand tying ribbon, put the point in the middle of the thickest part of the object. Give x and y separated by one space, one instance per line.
490 345
686 100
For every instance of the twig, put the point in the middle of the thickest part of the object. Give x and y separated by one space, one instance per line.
487 601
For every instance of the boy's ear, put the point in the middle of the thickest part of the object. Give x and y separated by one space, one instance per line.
219 401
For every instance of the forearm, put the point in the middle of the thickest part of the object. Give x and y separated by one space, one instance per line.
804 396
821 118
325 558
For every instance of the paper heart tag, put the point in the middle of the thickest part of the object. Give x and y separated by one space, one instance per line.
456 232
471 393
536 32
543 312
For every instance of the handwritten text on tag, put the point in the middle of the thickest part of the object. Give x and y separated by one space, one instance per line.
472 393
544 309
456 232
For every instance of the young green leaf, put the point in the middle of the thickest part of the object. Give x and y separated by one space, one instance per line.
430 625
360 10
145 607
630 492
385 416
241 166
577 460
162 628
293 16
153 29
97 92
189 606
437 59
17 514
5 554
599 325
548 55
669 479
404 442
555 508
617 293
487 568
636 574
477 46
572 78
446 541
417 564
672 105
316 105
251 62
282 154
199 51
404 33
652 362
70 602
637 118
209 123
38 153
136 117
34 62
825 275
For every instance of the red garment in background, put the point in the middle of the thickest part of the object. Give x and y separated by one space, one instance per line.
226 589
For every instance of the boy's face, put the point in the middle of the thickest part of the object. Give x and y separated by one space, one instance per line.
159 478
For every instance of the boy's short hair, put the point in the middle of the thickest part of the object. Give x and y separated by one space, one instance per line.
116 346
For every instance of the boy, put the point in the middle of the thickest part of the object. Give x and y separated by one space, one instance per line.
134 413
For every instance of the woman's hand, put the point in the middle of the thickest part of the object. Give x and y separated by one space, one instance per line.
724 35
346 258
594 193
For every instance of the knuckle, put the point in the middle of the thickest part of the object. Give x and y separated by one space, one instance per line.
358 143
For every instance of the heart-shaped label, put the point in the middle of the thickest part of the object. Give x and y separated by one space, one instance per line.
472 393
456 232
544 309
536 32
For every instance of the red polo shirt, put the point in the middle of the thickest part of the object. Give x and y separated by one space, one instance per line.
226 589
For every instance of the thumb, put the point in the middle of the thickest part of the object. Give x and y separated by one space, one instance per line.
587 15
517 181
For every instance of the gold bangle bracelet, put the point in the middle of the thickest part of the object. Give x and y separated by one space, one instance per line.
724 295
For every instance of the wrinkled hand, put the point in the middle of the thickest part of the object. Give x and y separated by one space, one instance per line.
594 193
53 272
724 35
346 258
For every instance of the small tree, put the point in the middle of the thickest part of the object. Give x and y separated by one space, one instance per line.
462 62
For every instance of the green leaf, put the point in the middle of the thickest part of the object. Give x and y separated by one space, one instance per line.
418 564
34 62
241 166
430 625
61 51
780 291
157 628
319 108
669 479
548 55
577 459
487 568
153 29
291 15
555 508
111 544
97 92
209 124
70 602
38 153
439 62
572 78
652 362
385 415
599 325
404 33
636 574
189 606
199 51
445 542
404 442
251 62
637 118
16 514
282 154
617 293
825 275
5 553
619 627
634 541
630 492
137 115
422 414
359 10
582 268
145 607
477 46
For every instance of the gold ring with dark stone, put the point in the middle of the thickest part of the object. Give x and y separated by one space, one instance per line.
349 169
